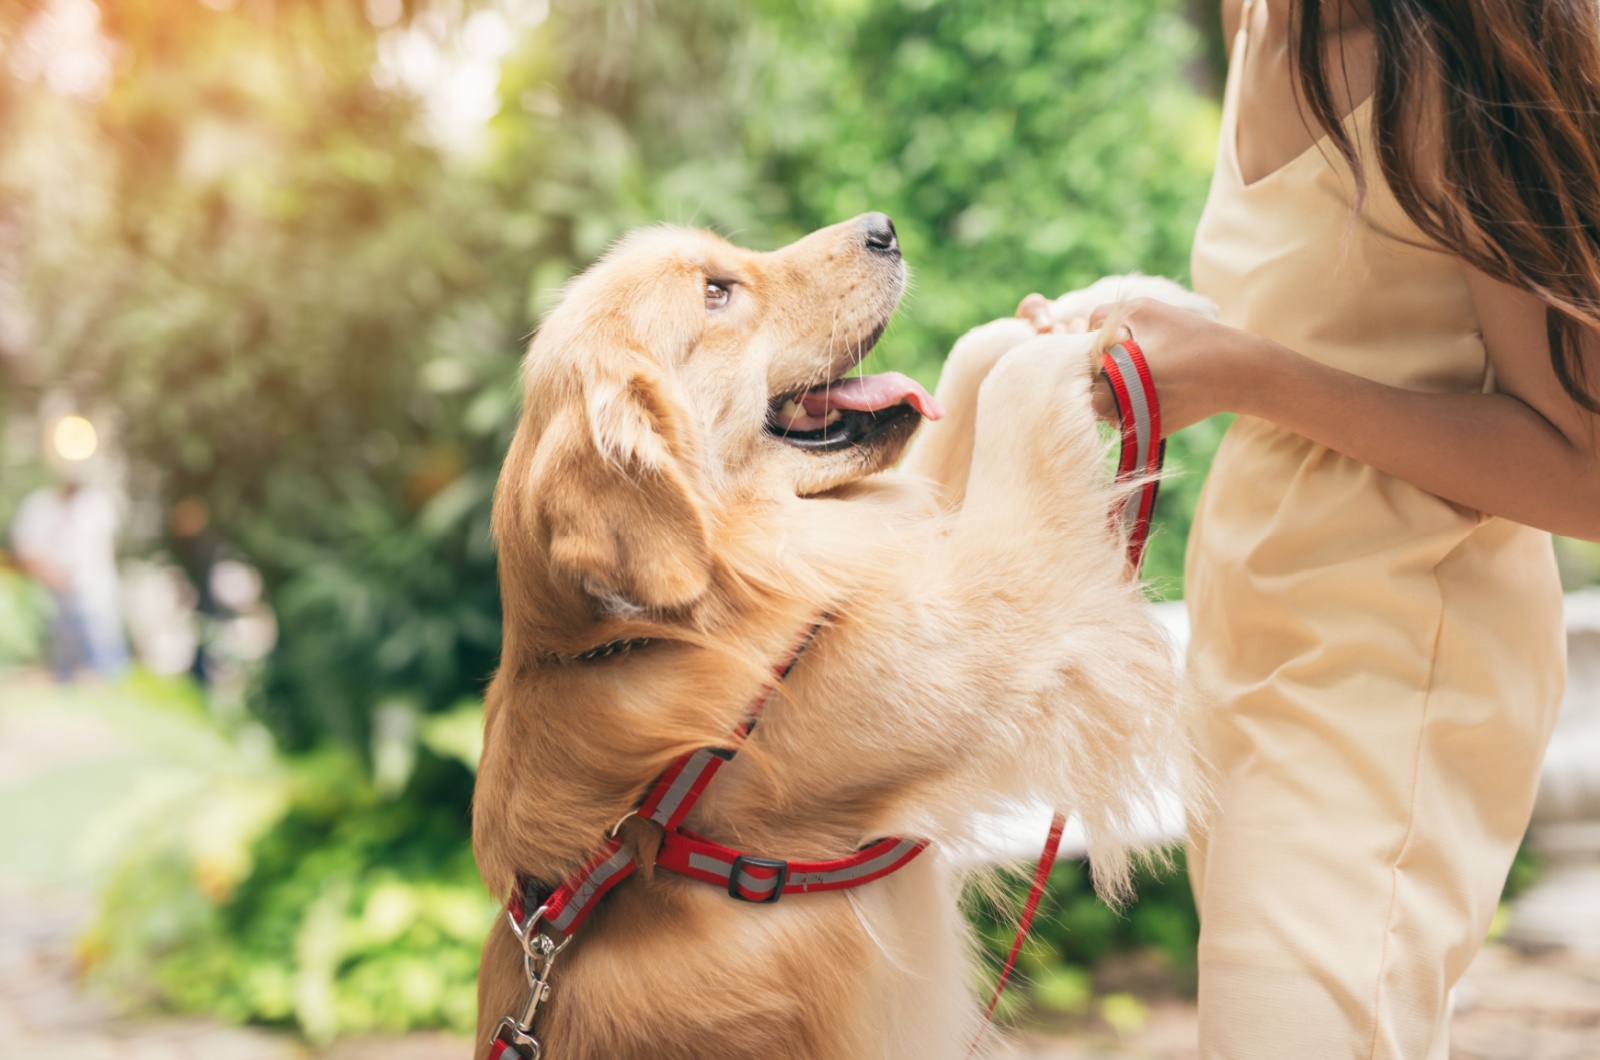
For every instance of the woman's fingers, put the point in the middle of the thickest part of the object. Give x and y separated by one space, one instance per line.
1033 305
1105 405
1037 311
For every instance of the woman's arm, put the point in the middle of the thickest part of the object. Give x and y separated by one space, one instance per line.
1528 452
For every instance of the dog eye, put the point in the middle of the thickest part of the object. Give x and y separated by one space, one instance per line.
716 296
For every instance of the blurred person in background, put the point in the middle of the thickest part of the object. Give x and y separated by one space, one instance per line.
197 550
64 537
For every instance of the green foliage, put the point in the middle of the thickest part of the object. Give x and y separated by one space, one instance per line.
292 303
1523 874
1579 562
23 610
1020 146
1074 931
302 896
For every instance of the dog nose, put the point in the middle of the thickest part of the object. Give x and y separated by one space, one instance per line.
880 234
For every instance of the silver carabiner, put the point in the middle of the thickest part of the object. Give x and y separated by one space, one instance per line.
518 1041
539 952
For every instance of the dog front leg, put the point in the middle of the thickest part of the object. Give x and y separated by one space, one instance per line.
1037 470
1091 705
942 450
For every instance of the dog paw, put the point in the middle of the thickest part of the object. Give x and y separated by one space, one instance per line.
977 352
1043 384
1113 289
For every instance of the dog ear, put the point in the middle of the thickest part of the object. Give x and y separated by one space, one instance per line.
617 499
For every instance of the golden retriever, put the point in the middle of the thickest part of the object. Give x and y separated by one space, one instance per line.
692 480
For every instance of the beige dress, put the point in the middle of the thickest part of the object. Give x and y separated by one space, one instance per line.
1386 666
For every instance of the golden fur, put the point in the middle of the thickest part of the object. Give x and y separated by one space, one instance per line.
983 647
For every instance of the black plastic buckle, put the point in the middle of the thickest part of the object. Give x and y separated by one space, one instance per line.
741 860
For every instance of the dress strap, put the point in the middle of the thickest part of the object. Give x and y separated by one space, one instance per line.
1246 13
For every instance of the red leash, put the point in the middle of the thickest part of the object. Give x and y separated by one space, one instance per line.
1143 450
1041 877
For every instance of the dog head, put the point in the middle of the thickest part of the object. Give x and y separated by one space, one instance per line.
682 376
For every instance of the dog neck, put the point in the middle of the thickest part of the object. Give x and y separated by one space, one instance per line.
604 651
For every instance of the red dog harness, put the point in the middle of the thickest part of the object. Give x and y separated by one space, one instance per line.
668 802
765 880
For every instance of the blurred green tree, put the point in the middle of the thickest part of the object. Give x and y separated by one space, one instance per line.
261 267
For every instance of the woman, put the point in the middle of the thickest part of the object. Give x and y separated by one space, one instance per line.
1403 238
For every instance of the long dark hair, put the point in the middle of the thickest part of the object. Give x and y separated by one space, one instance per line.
1519 198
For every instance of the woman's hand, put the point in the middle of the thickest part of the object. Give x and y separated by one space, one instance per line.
1200 367
1196 363
1038 310
1526 451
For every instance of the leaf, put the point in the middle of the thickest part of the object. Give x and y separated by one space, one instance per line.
456 734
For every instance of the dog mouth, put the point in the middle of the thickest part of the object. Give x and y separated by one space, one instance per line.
849 411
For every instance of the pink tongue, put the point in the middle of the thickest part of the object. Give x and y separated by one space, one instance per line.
872 393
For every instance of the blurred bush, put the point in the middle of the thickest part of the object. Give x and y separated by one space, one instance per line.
308 317
256 263
1074 931
24 611
294 891
1579 562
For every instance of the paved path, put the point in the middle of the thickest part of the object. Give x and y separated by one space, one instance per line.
1511 1006
44 1015
65 756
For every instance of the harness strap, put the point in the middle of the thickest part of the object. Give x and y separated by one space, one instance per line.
570 904
676 791
680 786
667 803
1041 877
767 879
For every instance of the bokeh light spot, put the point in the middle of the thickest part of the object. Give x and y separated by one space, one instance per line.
74 438
385 13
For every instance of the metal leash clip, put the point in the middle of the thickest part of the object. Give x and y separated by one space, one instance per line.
539 954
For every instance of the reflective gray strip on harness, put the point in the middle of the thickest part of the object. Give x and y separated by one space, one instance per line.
702 763
593 885
801 881
754 879
1139 409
